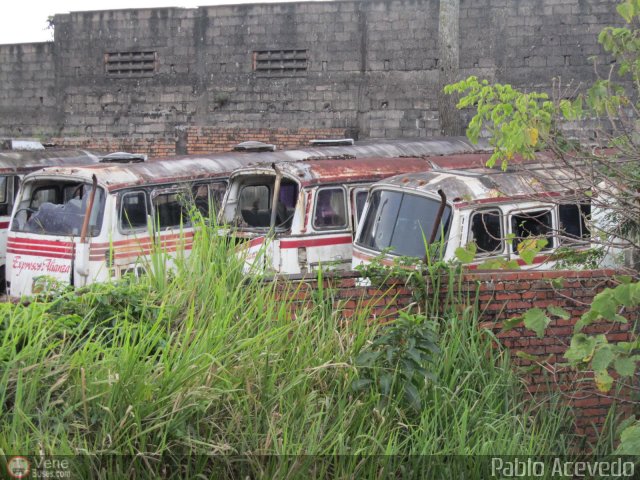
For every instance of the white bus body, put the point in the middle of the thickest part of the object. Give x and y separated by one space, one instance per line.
50 238
14 165
113 246
494 210
318 203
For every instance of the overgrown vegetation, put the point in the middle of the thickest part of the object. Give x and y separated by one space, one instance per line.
606 170
210 374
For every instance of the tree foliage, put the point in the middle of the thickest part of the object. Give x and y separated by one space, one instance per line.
519 124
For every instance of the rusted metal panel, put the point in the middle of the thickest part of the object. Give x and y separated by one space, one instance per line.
19 162
432 147
117 176
478 185
188 168
352 170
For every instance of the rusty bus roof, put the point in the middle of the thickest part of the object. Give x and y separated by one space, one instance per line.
330 170
484 185
194 167
116 176
23 161
437 146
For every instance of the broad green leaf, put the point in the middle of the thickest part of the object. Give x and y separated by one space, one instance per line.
535 319
581 349
412 396
604 304
629 440
602 358
624 294
466 254
565 108
499 264
604 381
624 279
408 367
587 318
415 355
511 323
558 312
385 383
366 359
527 356
530 247
625 366
626 11
360 384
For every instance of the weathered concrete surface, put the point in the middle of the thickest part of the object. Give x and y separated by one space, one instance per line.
372 66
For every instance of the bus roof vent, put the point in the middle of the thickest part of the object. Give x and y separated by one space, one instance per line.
334 142
124 157
21 145
253 146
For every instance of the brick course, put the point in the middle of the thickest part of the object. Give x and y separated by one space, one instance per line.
201 140
502 295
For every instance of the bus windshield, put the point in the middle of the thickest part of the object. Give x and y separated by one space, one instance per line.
255 203
401 222
58 208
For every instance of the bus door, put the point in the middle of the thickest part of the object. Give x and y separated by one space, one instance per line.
330 242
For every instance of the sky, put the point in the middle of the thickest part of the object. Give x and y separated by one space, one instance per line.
25 21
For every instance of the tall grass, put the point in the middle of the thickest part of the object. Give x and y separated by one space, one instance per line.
211 374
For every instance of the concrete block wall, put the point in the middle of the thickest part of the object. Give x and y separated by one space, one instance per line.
28 96
372 65
502 295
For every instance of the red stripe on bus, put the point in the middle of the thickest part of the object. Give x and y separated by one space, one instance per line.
53 248
315 242
30 241
4 225
254 242
142 244
123 255
146 238
15 251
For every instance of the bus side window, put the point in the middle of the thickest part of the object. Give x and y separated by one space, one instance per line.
486 231
133 211
537 223
573 221
4 195
209 195
254 205
218 189
170 210
331 208
359 198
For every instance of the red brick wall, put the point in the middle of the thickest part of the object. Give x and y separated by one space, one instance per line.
197 140
214 139
503 295
154 147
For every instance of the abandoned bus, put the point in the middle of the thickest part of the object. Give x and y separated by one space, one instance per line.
86 224
56 231
495 211
14 165
294 217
